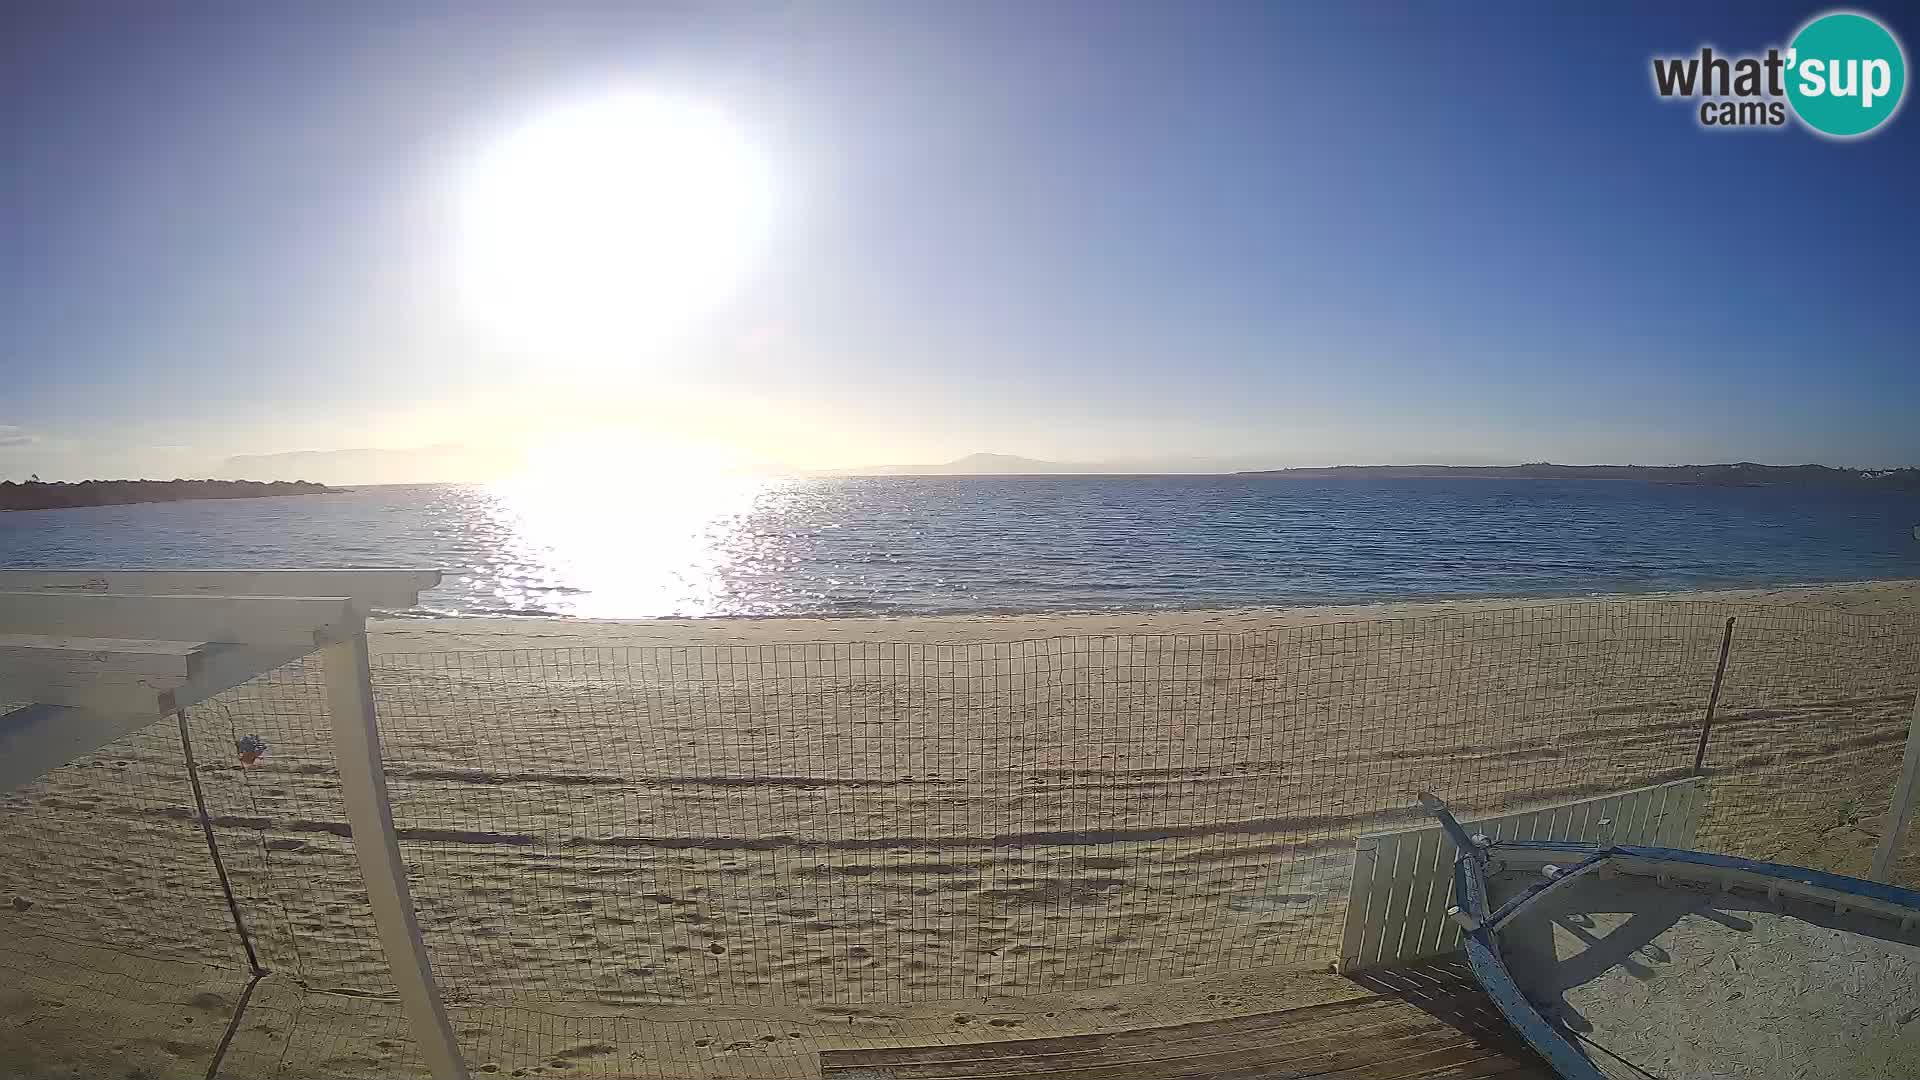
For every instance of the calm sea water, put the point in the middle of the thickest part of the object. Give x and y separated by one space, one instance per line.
711 546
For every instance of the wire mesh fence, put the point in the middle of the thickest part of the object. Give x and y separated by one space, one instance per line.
1807 740
283 833
110 909
856 823
718 860
119 955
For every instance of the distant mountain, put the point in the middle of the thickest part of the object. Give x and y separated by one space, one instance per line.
1013 465
974 465
1738 474
35 495
449 463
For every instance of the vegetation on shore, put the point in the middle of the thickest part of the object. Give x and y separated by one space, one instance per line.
39 495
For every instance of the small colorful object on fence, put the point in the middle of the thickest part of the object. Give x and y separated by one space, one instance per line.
251 748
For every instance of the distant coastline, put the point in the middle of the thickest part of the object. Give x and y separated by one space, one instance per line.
1741 474
1735 474
38 495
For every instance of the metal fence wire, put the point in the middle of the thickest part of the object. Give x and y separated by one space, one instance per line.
111 918
608 845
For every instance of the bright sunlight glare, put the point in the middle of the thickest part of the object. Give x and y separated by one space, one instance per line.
596 507
604 226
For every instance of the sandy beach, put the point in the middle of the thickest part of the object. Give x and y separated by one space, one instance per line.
714 847
449 635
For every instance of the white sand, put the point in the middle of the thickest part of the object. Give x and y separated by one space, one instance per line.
444 635
629 858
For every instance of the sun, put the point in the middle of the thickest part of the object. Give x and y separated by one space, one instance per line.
606 225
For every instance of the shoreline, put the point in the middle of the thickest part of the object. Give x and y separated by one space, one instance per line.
43 495
463 632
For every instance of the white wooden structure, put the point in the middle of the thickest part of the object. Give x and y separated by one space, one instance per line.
90 656
1403 881
1906 793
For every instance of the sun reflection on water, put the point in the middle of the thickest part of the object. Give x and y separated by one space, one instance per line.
622 544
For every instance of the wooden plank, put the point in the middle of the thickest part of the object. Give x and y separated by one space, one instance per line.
389 590
363 785
74 714
1664 819
114 695
1379 889
122 655
251 619
1412 913
1685 824
1348 1053
1431 893
1165 1052
1365 852
222 666
141 696
1631 818
40 738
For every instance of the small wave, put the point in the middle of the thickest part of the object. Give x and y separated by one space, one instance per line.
467 613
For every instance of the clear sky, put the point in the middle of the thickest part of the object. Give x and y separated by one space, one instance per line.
1252 234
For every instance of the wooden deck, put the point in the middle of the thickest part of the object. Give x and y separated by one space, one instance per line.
1431 1021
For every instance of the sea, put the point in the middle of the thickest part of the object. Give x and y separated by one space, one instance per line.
702 545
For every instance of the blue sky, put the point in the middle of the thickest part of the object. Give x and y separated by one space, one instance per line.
1248 234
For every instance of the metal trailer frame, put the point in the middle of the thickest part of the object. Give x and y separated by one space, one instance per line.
1562 862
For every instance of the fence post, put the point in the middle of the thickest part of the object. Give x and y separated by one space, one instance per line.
363 783
1901 812
1713 698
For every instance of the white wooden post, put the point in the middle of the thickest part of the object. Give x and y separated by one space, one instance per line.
1900 814
363 782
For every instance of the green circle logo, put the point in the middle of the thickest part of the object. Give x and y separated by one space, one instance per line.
1845 74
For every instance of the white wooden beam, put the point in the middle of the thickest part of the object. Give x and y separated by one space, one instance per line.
277 620
116 701
79 656
118 695
223 666
1905 792
389 590
40 738
363 784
